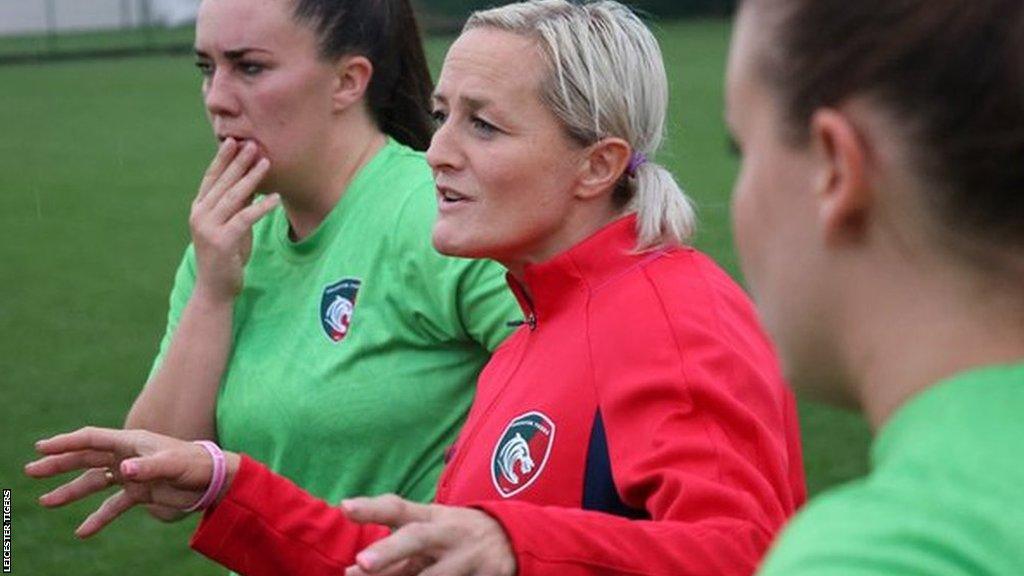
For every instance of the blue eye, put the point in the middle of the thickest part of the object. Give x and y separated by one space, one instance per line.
439 117
484 127
250 68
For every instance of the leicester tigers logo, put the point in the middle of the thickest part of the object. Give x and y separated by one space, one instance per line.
521 452
515 452
336 307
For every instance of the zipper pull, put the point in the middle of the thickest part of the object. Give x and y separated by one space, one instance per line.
530 319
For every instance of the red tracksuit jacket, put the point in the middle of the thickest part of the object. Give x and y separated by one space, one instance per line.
637 423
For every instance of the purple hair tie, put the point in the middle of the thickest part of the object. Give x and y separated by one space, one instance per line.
637 160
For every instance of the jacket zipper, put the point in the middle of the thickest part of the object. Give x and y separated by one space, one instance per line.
460 451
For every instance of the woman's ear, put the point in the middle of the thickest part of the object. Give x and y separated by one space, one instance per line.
603 165
844 198
353 74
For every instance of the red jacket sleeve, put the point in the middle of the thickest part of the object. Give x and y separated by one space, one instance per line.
701 434
266 525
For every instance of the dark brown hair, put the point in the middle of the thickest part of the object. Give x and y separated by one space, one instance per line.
385 32
950 75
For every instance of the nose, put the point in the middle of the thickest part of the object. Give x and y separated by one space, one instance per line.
443 151
218 95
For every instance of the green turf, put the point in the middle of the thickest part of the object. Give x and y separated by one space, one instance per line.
98 163
75 42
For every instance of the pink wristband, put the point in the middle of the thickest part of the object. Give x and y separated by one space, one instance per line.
220 472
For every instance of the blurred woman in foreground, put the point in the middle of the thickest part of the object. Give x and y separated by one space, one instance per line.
879 218
637 423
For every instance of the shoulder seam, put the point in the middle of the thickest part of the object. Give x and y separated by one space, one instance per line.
683 372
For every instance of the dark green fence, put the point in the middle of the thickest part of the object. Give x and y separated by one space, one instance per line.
138 36
659 8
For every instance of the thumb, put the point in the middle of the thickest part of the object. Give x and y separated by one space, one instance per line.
181 469
389 510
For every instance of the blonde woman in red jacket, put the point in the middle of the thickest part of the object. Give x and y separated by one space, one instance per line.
636 423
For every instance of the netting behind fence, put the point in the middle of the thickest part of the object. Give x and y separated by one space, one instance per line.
36 29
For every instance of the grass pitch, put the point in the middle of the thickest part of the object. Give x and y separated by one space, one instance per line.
99 161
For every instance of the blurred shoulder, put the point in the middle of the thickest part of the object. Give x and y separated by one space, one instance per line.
848 530
896 524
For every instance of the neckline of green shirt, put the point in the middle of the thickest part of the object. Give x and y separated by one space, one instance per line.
977 397
360 184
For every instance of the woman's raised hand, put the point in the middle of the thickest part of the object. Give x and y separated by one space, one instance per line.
150 469
223 215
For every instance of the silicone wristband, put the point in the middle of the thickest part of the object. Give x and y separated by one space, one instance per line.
220 471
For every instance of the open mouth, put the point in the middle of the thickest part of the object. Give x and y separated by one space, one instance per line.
449 196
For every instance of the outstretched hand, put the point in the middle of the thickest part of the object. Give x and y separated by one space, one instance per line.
150 469
430 540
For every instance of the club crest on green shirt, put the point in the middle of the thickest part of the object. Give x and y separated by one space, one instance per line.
521 452
336 307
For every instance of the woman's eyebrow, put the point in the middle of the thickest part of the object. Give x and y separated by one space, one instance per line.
240 53
473 103
236 54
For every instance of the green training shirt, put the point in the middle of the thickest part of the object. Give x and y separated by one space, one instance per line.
356 351
945 495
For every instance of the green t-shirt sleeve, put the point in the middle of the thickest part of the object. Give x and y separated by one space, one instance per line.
468 299
828 539
485 304
868 530
184 282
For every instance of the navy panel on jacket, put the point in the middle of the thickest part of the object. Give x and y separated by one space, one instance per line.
598 485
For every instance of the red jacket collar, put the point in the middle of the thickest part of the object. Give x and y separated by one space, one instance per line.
607 253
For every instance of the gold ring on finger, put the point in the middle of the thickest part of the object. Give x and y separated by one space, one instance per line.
109 475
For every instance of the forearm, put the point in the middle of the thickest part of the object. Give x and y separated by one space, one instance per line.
552 541
266 525
180 399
